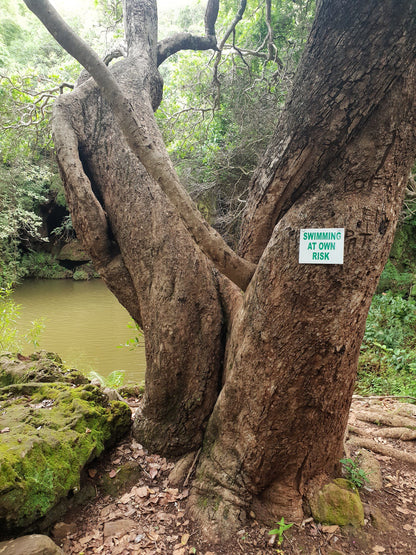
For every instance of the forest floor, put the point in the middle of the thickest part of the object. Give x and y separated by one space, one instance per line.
150 518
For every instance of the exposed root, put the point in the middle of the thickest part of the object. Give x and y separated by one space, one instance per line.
383 449
403 434
390 421
379 417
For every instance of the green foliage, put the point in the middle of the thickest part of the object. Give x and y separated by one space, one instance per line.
9 313
391 322
216 123
387 364
281 528
354 473
10 340
80 275
135 341
42 265
113 380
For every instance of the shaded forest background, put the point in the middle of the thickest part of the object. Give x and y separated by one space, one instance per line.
215 131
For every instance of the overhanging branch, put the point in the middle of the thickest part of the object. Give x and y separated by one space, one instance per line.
144 138
184 41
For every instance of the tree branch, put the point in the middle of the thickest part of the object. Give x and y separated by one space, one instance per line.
184 41
144 138
211 14
187 41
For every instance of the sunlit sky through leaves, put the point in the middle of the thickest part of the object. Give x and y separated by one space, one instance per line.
82 6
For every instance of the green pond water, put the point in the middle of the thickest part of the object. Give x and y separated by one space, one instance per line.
84 324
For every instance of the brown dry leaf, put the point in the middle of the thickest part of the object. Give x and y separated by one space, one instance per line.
142 491
117 461
403 510
124 498
183 494
185 539
379 549
153 536
153 473
330 529
92 472
408 527
4 430
180 551
112 473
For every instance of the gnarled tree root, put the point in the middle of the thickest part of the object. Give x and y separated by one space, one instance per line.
382 449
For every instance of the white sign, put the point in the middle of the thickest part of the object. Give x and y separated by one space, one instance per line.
321 246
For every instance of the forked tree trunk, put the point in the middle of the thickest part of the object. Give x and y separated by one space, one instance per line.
263 381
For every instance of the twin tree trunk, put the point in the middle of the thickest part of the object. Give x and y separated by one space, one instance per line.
261 380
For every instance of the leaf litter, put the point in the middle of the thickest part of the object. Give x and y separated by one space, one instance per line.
150 517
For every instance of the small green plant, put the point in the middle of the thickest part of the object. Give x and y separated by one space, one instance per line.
282 526
135 341
354 473
35 331
113 380
9 313
10 339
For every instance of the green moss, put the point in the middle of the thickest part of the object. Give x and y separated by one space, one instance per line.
55 430
338 503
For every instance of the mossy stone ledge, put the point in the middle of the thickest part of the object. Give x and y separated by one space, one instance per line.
48 432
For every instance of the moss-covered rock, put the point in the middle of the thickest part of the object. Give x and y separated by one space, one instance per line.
337 503
49 432
74 252
38 367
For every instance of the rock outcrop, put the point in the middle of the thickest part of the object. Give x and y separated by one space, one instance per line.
52 423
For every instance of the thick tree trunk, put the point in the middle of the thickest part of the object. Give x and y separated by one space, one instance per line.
340 161
265 380
143 251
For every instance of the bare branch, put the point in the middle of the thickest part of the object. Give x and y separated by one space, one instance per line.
228 32
211 14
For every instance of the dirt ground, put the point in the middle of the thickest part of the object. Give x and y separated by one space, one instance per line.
149 518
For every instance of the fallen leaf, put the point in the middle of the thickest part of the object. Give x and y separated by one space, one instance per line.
92 472
124 498
403 510
185 539
330 529
4 430
112 473
153 536
408 527
87 431
152 473
379 549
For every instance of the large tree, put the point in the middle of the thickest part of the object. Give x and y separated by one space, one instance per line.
250 355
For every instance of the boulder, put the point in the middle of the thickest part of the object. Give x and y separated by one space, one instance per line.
337 503
35 544
38 367
49 430
74 252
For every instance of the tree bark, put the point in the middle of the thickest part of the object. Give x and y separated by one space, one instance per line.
263 380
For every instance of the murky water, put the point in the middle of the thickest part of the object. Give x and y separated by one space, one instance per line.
84 324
